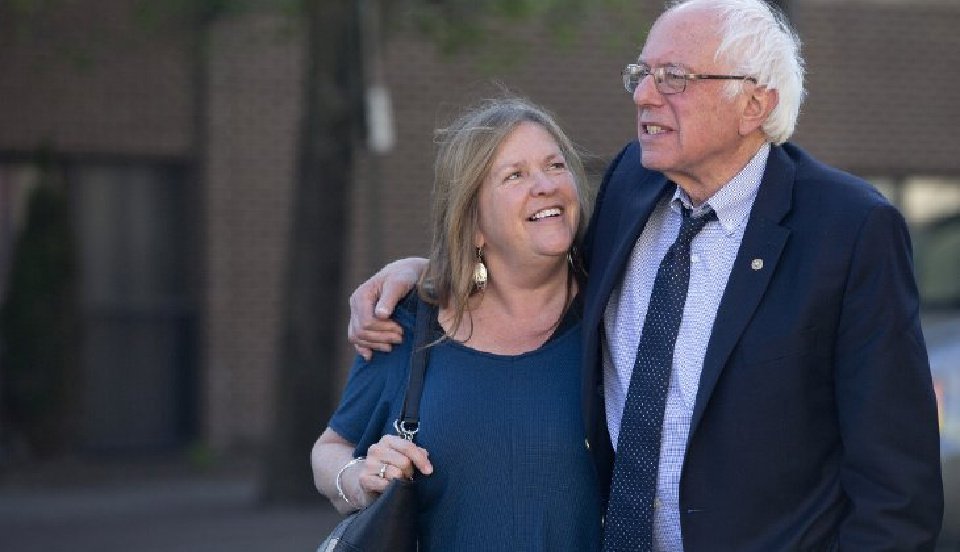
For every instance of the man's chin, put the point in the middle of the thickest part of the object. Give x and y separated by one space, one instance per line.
653 162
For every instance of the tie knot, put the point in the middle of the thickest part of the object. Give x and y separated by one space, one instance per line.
691 226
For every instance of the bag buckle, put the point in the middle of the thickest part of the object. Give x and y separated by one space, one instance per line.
404 431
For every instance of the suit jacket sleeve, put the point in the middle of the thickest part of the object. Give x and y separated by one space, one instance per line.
887 411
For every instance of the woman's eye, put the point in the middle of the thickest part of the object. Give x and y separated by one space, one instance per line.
513 176
558 165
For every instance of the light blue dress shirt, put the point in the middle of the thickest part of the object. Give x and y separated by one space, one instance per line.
711 261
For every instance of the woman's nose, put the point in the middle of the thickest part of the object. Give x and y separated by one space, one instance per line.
543 184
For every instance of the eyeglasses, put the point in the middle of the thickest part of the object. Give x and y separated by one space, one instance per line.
669 79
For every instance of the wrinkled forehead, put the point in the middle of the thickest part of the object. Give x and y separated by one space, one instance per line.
684 36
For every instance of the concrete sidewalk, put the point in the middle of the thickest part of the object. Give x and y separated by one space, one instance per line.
151 515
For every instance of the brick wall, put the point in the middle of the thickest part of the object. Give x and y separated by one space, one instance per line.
253 102
883 83
92 80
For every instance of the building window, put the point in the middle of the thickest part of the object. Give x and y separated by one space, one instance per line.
136 252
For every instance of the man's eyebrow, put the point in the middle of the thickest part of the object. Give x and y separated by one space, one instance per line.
664 64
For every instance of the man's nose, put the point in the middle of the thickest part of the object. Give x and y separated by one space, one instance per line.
646 92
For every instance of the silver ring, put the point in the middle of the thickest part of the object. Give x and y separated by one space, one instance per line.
383 470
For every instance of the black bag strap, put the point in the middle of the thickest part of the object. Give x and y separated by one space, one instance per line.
408 423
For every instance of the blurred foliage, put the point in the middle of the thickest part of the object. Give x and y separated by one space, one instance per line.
501 28
201 456
458 24
38 325
498 29
30 7
151 15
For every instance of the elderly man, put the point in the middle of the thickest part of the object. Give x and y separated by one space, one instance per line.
753 350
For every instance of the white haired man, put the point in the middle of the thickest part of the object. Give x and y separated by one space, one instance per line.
753 349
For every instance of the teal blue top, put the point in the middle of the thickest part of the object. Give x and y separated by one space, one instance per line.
505 436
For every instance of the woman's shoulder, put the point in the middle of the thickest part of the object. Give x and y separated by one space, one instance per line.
405 313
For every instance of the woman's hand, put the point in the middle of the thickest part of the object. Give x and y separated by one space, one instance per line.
388 459
360 481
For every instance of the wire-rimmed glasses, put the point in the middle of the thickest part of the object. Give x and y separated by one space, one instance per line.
670 79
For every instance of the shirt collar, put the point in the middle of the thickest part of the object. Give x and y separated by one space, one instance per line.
733 200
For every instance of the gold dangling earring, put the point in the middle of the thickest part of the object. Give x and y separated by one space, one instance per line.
479 271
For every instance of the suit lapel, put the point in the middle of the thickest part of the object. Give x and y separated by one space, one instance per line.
633 194
635 209
763 240
643 190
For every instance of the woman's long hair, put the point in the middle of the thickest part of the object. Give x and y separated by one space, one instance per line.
467 149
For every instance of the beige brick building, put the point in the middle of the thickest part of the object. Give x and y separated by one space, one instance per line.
179 146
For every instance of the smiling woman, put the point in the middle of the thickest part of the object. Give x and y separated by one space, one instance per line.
508 205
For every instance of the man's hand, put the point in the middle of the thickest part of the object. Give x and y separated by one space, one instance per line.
370 328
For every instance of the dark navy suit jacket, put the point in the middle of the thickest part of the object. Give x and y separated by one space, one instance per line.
815 424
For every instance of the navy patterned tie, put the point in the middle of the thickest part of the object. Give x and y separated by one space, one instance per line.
629 521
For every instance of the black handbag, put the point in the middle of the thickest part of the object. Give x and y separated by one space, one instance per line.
390 523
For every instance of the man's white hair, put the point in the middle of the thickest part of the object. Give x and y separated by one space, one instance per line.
757 40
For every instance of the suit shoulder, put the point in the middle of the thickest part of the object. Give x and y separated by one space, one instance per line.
846 191
626 172
628 159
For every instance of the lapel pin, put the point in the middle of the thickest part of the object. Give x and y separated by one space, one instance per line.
756 264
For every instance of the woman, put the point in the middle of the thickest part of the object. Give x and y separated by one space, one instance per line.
500 444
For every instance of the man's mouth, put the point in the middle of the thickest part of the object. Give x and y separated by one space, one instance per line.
654 130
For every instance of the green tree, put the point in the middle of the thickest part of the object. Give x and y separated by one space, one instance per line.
38 324
330 129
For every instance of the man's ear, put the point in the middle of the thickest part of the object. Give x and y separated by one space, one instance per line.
761 101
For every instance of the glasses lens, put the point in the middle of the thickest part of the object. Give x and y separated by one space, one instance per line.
674 80
631 77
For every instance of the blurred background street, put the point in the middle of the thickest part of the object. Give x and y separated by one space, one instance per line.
161 504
